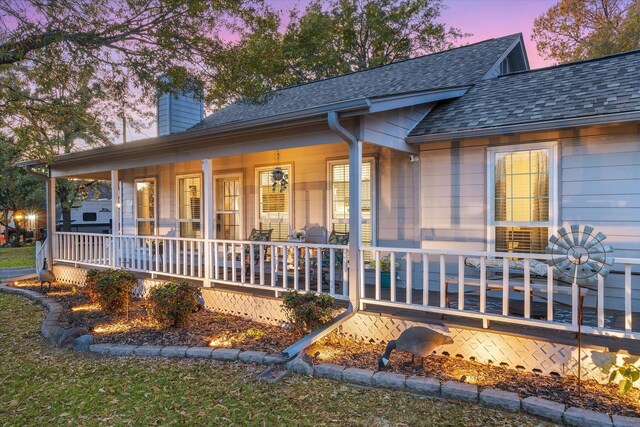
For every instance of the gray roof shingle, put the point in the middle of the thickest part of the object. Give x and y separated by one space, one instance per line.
456 67
606 85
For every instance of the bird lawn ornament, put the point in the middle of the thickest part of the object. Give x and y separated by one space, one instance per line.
46 276
418 341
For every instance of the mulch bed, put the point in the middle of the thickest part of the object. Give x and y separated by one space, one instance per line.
205 327
594 396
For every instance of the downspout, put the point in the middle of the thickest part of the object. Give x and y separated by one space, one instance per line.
355 157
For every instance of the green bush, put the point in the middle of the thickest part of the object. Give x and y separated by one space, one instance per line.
113 289
173 303
90 283
307 311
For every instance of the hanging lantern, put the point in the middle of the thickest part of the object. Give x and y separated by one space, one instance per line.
278 176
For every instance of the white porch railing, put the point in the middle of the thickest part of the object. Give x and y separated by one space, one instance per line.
440 281
276 266
434 281
91 249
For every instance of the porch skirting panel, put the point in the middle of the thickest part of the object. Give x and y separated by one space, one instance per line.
68 274
514 352
259 308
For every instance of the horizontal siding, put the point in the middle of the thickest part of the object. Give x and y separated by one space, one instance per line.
601 187
392 125
453 198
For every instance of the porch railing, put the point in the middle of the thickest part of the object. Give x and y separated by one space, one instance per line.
442 282
277 266
424 280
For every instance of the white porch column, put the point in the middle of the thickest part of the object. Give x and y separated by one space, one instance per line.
355 219
207 217
50 189
115 218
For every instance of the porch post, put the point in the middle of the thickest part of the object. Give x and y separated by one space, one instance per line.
50 189
355 219
115 217
207 217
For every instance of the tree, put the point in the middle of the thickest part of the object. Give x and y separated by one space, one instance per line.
327 40
19 191
582 29
116 48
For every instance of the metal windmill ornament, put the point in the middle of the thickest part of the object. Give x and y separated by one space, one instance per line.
580 256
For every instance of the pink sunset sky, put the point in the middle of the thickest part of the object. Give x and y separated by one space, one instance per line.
484 19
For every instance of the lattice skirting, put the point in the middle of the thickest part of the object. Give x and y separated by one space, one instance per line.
510 351
72 275
258 308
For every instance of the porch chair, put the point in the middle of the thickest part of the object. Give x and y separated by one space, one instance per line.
335 238
256 236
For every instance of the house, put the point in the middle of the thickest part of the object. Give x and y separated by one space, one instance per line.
454 169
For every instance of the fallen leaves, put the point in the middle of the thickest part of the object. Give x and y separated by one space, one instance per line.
594 396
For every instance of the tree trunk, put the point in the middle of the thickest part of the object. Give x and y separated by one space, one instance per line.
66 219
6 227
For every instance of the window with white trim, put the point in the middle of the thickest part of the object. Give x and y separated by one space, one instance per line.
189 188
274 207
145 206
522 197
339 198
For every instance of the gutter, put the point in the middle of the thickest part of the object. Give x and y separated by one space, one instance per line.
30 171
529 127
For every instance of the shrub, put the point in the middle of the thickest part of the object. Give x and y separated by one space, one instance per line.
307 311
172 303
113 289
90 283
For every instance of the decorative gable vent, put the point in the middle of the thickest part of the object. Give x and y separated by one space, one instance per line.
178 111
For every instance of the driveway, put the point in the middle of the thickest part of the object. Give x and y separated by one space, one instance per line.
7 273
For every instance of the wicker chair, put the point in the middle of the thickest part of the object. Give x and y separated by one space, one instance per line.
256 236
335 238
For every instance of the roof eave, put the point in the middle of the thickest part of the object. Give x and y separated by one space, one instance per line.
232 129
625 117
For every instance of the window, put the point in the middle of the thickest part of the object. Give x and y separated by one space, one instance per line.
274 207
339 198
146 206
522 195
189 197
89 216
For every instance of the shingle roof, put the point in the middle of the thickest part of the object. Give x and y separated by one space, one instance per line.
456 67
595 87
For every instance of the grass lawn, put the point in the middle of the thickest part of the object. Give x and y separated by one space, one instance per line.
43 385
17 257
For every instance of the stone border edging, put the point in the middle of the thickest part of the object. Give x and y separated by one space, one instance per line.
453 390
423 386
79 338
